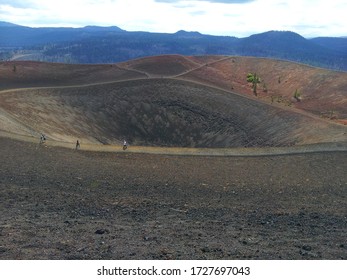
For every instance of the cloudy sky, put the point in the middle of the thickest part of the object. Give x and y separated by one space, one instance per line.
240 18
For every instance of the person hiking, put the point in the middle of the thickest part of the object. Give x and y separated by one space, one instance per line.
42 139
125 145
78 145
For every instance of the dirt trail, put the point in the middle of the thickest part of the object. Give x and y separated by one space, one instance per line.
219 152
200 66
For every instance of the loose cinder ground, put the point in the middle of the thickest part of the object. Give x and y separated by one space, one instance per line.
59 203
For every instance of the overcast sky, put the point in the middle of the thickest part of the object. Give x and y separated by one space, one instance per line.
241 18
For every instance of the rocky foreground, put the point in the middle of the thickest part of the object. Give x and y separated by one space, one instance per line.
60 203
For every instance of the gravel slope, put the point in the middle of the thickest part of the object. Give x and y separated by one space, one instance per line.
60 203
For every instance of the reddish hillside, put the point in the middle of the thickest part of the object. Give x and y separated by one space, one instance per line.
322 92
23 74
163 66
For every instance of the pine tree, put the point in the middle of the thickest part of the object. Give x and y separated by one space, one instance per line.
255 80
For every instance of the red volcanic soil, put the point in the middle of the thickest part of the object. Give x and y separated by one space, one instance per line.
323 92
163 66
24 74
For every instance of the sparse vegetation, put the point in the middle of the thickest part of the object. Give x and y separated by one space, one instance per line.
297 95
330 114
280 99
255 80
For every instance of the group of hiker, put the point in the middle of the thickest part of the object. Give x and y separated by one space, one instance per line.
78 144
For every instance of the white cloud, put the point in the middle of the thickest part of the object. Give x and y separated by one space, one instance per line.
210 1
220 17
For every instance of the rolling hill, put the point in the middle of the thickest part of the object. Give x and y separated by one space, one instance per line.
94 44
173 101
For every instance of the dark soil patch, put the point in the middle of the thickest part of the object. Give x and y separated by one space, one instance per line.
163 112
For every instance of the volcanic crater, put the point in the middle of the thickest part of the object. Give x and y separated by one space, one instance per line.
132 101
158 202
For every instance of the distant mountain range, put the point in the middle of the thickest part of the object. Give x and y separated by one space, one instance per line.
94 44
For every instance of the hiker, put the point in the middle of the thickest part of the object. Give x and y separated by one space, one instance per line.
125 145
42 138
77 145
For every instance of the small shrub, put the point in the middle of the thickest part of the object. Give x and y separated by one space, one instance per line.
297 95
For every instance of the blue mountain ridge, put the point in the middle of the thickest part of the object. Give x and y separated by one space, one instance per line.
96 44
